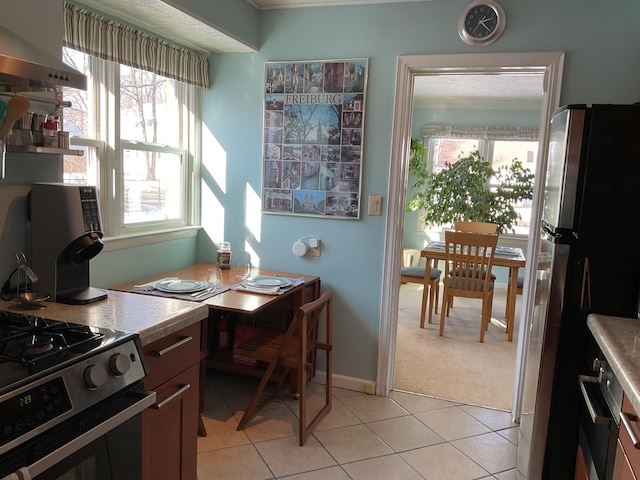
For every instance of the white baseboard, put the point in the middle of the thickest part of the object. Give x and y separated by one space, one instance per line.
348 383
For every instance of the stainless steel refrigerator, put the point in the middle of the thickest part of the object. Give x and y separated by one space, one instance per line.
588 262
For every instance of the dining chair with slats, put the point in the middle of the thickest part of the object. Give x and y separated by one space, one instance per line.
469 258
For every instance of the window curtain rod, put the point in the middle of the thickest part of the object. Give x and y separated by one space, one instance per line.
479 131
104 38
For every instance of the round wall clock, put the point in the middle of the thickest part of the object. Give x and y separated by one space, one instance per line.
481 23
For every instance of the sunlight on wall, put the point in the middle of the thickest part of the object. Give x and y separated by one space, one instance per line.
253 218
214 186
214 159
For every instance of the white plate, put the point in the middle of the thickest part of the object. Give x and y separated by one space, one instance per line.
181 286
265 281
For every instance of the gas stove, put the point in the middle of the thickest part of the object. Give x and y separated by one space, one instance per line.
51 370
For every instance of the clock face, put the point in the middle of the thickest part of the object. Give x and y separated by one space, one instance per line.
481 23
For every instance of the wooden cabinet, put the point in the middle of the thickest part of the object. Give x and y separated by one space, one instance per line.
627 463
170 427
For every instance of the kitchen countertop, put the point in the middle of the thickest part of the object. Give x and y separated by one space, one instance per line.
151 317
619 339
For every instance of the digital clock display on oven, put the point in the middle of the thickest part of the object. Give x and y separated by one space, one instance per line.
32 408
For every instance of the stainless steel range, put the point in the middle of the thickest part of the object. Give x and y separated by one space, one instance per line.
69 395
600 419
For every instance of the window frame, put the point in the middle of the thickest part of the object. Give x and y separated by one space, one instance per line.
105 135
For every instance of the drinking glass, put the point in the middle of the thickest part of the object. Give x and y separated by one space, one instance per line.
242 271
214 277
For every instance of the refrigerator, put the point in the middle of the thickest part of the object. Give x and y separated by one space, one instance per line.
588 262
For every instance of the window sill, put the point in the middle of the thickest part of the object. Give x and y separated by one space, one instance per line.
148 238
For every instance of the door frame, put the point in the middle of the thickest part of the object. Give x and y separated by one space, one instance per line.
409 66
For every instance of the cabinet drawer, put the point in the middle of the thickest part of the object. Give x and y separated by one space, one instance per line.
171 355
632 453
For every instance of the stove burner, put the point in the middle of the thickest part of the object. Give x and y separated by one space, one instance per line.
27 339
35 350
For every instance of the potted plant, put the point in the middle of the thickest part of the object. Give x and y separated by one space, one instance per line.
461 191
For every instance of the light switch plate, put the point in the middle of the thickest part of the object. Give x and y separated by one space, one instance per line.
375 205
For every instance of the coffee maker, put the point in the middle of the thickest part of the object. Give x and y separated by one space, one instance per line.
66 233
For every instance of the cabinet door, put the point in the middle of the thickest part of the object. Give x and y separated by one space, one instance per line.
581 467
170 429
622 469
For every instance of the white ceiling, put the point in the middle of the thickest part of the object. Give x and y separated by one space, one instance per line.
515 92
167 20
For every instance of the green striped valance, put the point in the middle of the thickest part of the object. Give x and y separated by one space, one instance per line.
103 38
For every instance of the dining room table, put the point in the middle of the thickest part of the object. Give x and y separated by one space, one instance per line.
510 257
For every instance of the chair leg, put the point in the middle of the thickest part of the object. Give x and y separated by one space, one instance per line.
423 311
435 306
432 293
260 398
444 310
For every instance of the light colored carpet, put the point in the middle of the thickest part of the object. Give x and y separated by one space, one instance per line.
456 366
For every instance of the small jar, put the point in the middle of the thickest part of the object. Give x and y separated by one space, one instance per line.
223 259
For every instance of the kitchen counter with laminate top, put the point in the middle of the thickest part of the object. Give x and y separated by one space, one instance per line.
619 339
151 317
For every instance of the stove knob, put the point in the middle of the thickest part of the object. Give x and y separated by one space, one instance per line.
119 364
95 376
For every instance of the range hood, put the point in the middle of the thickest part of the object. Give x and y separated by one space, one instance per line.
23 66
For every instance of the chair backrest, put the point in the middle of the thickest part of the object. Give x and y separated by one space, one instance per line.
305 323
475 227
410 257
469 260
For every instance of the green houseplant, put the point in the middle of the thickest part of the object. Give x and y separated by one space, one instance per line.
461 191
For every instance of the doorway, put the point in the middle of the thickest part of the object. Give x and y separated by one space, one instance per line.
410 67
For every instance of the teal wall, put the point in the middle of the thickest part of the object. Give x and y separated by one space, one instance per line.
352 259
599 68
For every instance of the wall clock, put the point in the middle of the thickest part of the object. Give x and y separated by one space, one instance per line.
481 23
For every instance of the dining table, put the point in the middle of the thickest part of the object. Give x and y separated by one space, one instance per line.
510 257
269 309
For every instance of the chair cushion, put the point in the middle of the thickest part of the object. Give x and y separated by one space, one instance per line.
418 272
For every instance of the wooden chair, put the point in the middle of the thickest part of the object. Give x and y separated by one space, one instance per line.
412 272
293 351
475 227
469 259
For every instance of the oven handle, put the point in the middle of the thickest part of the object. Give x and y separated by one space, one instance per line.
595 418
630 430
42 465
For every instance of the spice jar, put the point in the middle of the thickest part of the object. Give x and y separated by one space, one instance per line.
223 258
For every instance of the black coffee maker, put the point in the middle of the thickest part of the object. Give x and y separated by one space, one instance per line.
66 233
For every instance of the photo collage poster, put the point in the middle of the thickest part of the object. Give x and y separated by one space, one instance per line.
313 135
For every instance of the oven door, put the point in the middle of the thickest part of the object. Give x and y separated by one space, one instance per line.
598 430
102 443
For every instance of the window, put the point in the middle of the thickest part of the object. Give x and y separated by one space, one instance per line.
497 151
134 129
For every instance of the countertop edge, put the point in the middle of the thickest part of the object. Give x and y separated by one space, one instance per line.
149 316
619 339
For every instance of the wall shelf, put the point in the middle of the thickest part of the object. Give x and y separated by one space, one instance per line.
36 149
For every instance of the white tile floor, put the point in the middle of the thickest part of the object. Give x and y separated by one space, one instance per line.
364 437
